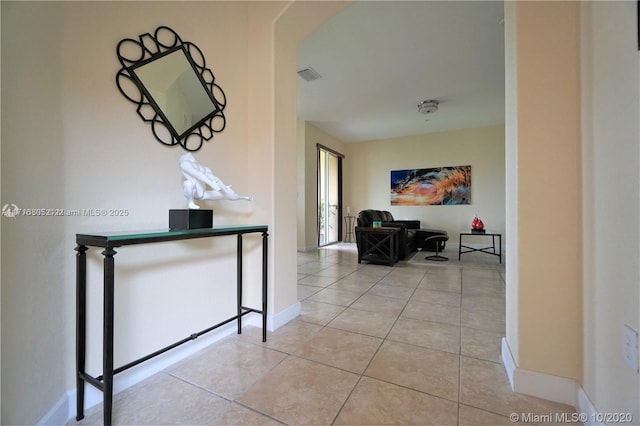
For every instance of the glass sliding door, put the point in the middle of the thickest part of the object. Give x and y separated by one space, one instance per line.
329 196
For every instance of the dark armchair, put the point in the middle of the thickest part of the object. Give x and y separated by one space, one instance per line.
385 246
406 230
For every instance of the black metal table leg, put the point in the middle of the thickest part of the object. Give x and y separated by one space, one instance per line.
239 283
265 244
81 326
107 336
487 249
105 382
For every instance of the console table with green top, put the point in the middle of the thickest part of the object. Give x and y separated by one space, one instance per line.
110 241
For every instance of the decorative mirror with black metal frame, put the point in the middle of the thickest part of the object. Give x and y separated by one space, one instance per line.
175 91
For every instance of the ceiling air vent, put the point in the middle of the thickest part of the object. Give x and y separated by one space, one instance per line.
309 74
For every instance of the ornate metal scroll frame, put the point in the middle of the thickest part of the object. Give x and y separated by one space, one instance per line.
149 48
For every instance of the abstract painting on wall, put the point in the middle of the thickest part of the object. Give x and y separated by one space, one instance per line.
430 187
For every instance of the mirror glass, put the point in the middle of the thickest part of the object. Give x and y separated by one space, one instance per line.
174 90
171 82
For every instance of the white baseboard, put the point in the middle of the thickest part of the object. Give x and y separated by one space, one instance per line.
547 386
59 413
128 378
65 408
275 321
508 362
586 406
281 318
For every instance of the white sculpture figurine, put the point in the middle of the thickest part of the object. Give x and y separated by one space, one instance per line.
196 179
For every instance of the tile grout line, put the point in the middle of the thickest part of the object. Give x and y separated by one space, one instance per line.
230 400
386 338
460 346
367 366
383 340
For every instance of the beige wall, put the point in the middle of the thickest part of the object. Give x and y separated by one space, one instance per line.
611 197
86 148
548 176
75 142
565 311
511 175
83 146
34 303
368 166
305 186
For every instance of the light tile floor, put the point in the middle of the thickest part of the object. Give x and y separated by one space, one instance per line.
409 344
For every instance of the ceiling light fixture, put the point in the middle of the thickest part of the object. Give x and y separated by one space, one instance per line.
428 107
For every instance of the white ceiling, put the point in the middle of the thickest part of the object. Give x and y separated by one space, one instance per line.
379 59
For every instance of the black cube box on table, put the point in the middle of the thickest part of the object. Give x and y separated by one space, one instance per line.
190 219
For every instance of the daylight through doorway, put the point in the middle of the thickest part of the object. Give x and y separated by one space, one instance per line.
329 196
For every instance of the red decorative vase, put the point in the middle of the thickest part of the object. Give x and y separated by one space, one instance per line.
477 223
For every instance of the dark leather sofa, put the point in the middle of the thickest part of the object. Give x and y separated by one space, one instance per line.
410 235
